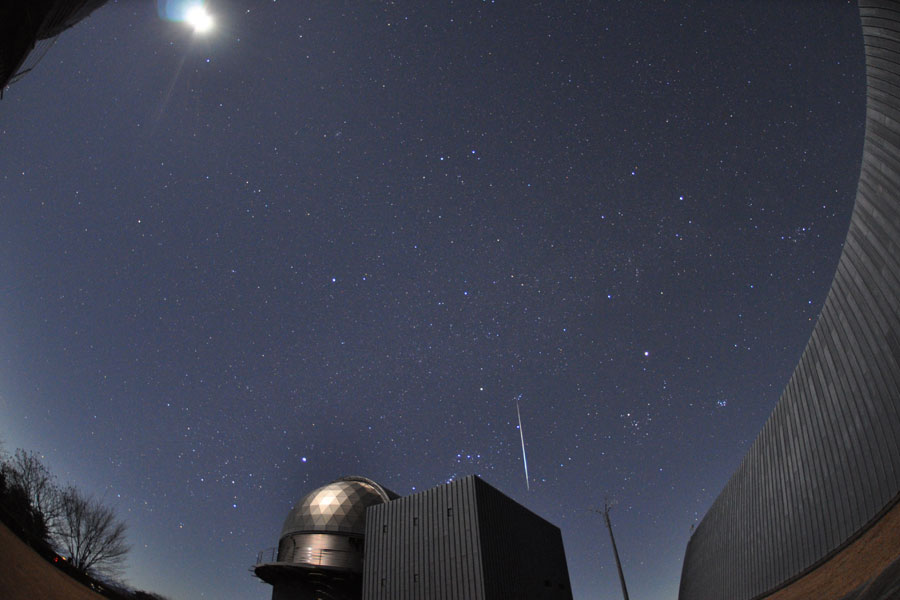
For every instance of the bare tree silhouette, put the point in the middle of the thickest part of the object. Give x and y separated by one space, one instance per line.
90 534
26 471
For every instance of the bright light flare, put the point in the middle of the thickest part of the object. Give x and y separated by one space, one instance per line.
197 17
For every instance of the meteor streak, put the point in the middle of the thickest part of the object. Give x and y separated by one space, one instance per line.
522 437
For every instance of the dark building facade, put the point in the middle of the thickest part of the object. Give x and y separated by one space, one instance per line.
26 24
353 538
464 540
826 466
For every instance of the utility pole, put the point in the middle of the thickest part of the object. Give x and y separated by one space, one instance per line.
605 513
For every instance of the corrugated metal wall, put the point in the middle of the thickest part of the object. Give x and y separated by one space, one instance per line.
462 541
827 462
425 546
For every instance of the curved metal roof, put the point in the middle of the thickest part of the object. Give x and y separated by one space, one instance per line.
339 506
826 465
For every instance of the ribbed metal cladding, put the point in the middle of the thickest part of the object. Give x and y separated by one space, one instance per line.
425 546
462 541
827 462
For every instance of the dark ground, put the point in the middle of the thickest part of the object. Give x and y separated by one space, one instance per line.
27 576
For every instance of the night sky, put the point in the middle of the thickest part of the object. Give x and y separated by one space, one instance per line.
332 238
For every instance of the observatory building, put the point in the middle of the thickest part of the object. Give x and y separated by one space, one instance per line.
813 509
320 550
28 29
464 540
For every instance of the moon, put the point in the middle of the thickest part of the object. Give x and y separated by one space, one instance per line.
197 17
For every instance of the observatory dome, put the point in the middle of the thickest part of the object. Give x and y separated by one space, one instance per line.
339 506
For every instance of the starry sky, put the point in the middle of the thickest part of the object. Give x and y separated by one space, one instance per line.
332 238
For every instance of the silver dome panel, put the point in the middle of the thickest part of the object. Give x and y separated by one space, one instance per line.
339 506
